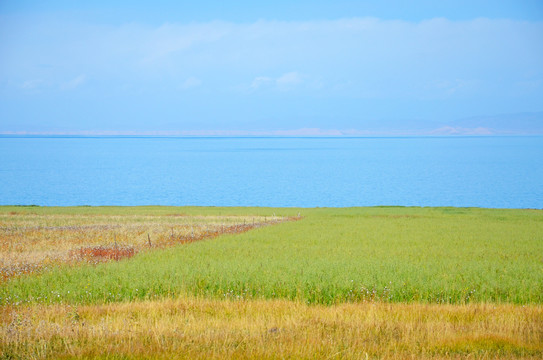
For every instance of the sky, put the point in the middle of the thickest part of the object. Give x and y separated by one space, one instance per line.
282 67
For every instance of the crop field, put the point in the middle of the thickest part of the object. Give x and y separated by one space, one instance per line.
191 282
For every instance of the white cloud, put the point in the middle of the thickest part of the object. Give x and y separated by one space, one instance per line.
369 53
261 81
285 81
31 84
291 78
358 67
191 82
448 88
74 83
171 39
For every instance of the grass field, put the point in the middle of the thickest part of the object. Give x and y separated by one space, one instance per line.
353 282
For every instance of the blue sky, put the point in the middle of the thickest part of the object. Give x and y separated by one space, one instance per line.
193 67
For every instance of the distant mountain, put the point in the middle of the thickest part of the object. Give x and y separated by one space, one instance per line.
451 130
505 124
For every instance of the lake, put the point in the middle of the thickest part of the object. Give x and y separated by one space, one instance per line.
497 172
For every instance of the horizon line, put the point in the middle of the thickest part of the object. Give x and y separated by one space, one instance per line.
303 132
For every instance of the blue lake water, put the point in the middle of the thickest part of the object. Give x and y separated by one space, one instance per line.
498 172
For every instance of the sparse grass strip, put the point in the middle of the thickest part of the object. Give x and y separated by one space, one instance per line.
33 242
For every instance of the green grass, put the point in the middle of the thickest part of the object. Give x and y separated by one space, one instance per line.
396 254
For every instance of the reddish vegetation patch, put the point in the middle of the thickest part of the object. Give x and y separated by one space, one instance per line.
233 229
102 253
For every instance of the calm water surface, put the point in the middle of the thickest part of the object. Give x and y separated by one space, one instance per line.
433 171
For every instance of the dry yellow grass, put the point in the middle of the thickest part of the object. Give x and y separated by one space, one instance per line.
30 241
214 329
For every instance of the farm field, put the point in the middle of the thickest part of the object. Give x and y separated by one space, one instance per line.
277 283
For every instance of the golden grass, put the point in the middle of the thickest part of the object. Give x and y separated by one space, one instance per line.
29 242
217 329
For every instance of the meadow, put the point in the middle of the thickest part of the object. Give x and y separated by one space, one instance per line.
301 283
